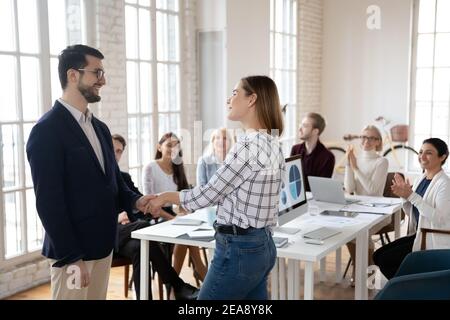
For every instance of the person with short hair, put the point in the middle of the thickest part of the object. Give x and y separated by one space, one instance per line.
317 160
77 181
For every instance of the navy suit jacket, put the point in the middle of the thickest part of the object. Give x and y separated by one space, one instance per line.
75 200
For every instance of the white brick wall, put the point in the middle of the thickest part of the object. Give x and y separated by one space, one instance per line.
110 40
23 277
310 19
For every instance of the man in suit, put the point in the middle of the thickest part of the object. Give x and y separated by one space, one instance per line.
77 181
131 248
317 160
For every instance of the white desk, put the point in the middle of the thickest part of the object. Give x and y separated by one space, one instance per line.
296 251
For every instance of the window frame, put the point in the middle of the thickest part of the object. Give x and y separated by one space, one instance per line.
154 63
413 82
45 91
286 140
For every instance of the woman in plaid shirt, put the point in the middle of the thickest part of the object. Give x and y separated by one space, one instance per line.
246 191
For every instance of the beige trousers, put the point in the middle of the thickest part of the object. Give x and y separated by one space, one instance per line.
63 281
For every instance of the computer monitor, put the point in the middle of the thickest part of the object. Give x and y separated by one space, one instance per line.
293 202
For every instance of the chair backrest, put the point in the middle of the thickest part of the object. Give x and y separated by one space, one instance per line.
387 187
425 231
417 278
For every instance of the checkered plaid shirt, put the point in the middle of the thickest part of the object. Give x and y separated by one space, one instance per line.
246 187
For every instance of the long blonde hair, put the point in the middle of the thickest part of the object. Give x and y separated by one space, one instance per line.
268 107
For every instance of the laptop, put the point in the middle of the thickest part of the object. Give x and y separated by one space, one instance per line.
328 190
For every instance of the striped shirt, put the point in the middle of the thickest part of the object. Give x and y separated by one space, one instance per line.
246 187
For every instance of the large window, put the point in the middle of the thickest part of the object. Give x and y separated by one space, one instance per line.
27 83
430 96
153 76
283 62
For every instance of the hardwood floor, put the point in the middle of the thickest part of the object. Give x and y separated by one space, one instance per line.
327 290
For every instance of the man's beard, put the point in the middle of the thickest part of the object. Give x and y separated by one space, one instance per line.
305 136
88 94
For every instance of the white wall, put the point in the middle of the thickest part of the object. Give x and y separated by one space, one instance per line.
365 72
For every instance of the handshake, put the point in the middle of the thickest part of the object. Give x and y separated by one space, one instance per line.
154 202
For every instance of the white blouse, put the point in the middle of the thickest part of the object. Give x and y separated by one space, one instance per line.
370 178
155 180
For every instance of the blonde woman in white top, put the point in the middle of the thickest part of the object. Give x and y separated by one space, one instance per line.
366 175
166 174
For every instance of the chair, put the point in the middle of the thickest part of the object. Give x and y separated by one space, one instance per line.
422 275
384 232
120 261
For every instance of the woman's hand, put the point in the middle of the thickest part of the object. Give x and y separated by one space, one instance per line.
400 187
352 158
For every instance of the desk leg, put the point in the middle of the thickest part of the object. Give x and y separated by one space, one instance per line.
362 242
274 281
309 280
296 280
144 270
282 277
291 279
397 218
338 266
323 264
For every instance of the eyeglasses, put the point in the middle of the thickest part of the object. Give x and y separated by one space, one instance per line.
371 139
100 73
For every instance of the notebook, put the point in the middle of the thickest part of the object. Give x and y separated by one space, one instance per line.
280 241
187 222
321 233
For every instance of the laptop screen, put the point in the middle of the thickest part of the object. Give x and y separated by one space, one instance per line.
292 194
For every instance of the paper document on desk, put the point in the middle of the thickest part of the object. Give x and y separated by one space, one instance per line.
335 222
170 230
201 234
366 208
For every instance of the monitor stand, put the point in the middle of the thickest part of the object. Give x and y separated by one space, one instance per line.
286 230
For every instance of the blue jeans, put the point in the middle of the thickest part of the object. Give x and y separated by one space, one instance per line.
240 267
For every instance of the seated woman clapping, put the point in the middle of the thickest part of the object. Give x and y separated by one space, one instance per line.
426 202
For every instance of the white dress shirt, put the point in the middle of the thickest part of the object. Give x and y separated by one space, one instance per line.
85 122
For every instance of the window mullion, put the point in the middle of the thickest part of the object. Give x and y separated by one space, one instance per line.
44 60
155 122
2 209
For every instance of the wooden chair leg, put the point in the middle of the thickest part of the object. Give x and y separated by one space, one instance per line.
205 256
125 285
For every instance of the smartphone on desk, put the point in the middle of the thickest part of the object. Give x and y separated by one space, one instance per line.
345 214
